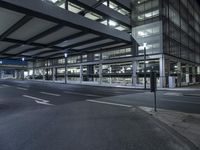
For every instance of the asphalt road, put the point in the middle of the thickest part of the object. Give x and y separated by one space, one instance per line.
42 116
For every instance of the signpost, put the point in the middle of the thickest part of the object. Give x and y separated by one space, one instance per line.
154 87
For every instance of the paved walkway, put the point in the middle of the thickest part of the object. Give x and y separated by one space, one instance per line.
185 124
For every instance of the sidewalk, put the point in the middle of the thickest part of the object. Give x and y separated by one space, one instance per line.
185 124
139 87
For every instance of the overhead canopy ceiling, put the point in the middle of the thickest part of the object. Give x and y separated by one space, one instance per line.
38 29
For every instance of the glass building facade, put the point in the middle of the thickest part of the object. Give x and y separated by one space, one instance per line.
171 29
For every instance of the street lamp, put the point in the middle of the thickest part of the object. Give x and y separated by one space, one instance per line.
145 72
65 55
23 59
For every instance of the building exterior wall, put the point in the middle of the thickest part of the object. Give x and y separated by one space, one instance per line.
170 28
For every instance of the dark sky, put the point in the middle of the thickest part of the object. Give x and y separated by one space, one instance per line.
198 1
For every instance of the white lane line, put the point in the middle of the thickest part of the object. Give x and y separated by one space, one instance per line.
39 100
52 94
195 95
20 88
173 94
186 102
108 103
5 85
82 94
117 92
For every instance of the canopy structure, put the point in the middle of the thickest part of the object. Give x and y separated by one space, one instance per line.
39 29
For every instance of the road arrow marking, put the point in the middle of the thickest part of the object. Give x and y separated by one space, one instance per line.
39 100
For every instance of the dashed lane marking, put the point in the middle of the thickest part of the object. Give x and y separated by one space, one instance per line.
82 94
39 100
20 88
173 94
52 94
108 103
5 85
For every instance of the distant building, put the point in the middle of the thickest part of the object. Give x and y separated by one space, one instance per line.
12 69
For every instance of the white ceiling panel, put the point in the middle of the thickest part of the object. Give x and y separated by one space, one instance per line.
31 28
4 45
8 18
36 51
19 49
94 44
64 32
77 40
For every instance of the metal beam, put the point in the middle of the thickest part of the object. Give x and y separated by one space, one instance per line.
103 11
75 45
20 42
97 46
45 33
16 26
85 42
71 37
44 52
51 45
9 48
60 16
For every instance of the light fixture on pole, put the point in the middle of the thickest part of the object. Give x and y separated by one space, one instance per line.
23 59
145 70
65 55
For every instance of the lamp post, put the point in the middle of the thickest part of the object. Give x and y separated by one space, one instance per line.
23 59
145 70
65 55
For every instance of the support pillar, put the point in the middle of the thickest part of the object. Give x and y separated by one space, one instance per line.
167 72
66 75
81 73
34 70
15 74
162 72
43 74
53 74
187 74
198 70
100 73
2 74
179 74
193 74
134 73
22 74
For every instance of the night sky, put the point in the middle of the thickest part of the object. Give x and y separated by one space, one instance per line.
198 1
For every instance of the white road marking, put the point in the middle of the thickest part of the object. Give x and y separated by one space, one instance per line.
5 85
109 103
187 102
173 94
82 94
38 100
52 94
195 95
43 103
118 92
20 88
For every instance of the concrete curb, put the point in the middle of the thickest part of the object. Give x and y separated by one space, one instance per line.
171 131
